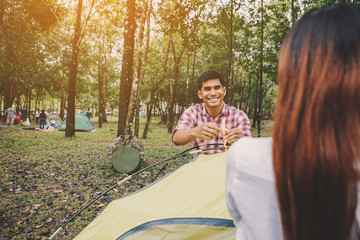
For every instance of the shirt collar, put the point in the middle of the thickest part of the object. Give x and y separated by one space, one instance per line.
224 112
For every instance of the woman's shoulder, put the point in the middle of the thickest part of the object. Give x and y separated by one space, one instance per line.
252 143
252 156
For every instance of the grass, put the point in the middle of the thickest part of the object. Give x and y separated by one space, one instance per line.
266 129
46 178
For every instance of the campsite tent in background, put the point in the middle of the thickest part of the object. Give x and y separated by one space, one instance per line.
187 204
82 123
56 118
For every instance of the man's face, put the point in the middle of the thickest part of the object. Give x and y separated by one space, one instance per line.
212 93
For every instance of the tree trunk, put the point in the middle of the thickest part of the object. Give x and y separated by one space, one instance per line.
172 99
193 69
261 69
293 17
136 89
127 67
100 91
2 9
42 99
70 121
230 84
149 108
156 86
62 97
100 121
174 86
66 97
29 103
193 76
256 102
136 130
8 82
168 97
187 81
104 73
103 66
36 102
248 96
17 89
242 93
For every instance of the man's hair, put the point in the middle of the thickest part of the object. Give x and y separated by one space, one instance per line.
208 76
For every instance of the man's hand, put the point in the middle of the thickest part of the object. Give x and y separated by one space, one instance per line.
233 135
207 131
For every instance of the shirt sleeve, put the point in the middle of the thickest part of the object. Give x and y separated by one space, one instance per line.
244 124
187 120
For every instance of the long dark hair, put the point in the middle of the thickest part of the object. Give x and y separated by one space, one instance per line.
316 138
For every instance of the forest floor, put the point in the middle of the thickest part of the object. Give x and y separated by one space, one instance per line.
46 178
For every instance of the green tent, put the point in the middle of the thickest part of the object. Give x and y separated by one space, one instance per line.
82 123
187 204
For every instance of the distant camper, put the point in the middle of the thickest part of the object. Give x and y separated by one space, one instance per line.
88 113
23 114
42 119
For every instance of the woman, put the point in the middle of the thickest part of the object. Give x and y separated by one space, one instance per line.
37 116
309 188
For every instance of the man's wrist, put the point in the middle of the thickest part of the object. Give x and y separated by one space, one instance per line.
194 133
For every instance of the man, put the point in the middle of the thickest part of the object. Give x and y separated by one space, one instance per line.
10 115
204 123
23 115
42 119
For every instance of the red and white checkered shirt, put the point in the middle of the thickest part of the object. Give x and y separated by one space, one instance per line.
197 115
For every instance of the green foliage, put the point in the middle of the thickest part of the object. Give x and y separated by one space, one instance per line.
43 12
308 4
35 51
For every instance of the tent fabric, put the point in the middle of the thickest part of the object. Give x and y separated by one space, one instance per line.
187 204
82 123
56 118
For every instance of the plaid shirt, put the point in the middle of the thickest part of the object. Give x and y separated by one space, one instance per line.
197 115
10 113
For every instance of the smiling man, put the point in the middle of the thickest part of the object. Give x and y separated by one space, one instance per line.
204 123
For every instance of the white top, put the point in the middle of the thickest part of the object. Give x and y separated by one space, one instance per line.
250 190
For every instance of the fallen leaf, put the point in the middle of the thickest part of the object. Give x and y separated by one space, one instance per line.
39 226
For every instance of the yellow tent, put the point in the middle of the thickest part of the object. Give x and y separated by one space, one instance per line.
187 204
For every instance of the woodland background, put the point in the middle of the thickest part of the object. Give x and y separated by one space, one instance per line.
128 57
